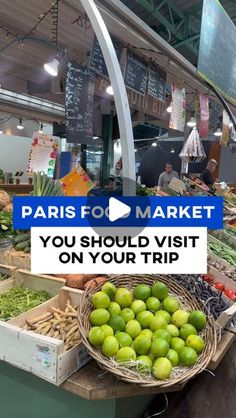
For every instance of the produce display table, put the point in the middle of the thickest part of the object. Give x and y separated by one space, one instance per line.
23 395
23 188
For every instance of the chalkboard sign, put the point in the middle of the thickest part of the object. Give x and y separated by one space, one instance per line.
157 82
97 62
217 53
136 73
215 112
80 86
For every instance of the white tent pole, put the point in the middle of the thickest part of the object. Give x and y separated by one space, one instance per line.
120 95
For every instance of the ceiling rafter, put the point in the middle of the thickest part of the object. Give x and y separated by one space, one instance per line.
178 23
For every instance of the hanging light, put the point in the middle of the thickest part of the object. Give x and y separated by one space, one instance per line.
154 144
192 122
110 90
172 150
40 131
218 132
52 67
95 137
20 126
169 108
135 150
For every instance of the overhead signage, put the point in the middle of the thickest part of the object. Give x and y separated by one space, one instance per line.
136 73
217 51
79 104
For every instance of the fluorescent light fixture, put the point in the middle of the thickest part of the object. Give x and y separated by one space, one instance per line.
95 137
154 144
218 132
52 67
169 108
135 150
40 131
20 126
192 122
110 91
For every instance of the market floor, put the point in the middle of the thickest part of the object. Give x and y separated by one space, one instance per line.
206 396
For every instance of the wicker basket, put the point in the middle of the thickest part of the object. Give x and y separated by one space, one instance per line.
131 375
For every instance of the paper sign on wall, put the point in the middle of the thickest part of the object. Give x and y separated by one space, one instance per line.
225 131
204 116
43 154
177 117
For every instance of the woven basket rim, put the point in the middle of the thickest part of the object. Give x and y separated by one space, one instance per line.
181 374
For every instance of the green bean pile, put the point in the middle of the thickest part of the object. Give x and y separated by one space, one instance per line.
224 252
17 300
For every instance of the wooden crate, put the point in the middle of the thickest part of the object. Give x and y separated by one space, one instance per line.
15 258
25 279
37 354
9 270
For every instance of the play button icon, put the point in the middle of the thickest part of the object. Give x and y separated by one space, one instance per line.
117 209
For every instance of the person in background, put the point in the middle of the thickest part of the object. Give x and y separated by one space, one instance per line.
166 177
206 175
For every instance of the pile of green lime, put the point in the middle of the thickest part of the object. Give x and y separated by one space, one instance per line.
147 326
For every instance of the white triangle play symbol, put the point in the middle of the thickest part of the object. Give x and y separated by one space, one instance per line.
117 209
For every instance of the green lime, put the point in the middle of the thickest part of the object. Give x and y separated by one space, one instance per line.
114 308
170 304
109 289
144 364
177 344
123 297
197 319
158 322
187 330
165 315
160 290
159 347
123 339
162 333
153 304
162 368
127 314
99 317
142 292
142 344
173 356
179 318
147 332
125 354
108 331
117 323
96 336
196 342
100 300
144 318
138 306
188 357
110 346
133 328
173 330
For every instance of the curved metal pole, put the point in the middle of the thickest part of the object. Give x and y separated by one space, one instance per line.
120 95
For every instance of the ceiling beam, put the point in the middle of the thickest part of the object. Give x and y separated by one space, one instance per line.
175 21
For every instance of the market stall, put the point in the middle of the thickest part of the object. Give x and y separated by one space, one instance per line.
115 340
